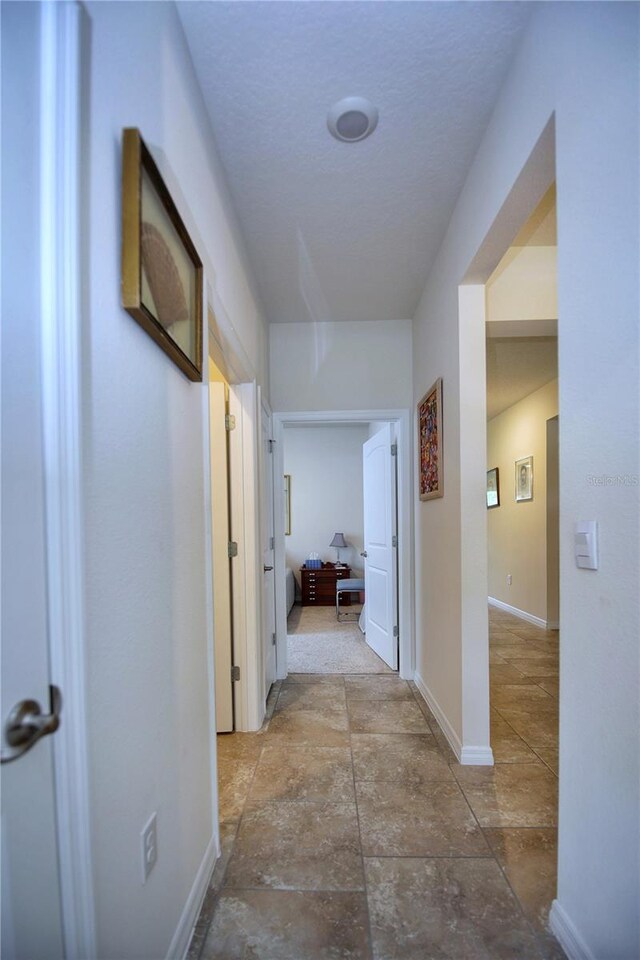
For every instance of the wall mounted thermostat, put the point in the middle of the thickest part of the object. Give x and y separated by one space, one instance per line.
585 541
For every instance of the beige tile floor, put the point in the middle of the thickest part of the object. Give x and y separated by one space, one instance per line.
350 831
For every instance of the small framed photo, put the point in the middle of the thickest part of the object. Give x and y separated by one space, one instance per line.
287 504
524 479
161 269
430 443
493 488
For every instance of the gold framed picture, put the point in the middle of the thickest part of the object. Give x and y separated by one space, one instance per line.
161 269
430 443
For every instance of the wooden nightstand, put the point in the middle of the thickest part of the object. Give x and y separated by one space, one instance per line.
319 586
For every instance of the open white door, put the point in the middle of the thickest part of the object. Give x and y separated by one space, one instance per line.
223 641
267 545
380 545
31 892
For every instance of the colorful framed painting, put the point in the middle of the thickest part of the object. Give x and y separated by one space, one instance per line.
430 443
161 269
524 479
493 488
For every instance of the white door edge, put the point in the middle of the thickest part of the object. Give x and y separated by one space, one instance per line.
381 566
61 313
402 419
247 566
267 555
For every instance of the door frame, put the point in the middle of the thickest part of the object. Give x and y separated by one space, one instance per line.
63 39
401 419
266 467
246 590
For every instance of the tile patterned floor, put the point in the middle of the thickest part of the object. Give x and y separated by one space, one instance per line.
350 831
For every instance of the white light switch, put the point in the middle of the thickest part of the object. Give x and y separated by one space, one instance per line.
585 541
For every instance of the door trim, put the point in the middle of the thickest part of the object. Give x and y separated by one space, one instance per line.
402 421
62 29
244 499
267 465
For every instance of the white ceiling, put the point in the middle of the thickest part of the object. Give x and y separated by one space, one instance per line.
339 231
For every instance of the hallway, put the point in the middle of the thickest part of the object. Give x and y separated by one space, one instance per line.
350 830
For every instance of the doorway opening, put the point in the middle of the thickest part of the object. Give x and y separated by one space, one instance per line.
332 467
220 539
522 506
522 541
324 506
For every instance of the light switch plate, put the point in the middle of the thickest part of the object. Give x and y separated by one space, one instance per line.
585 544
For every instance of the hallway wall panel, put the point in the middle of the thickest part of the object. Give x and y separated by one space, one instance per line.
578 64
145 489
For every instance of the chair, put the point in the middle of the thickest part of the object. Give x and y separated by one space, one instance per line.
350 585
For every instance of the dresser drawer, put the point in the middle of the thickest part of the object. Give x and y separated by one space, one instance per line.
319 586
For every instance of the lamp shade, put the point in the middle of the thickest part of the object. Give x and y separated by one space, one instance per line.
338 540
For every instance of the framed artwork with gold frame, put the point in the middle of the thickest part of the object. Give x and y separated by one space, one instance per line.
161 269
430 443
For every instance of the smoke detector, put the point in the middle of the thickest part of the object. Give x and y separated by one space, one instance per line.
352 119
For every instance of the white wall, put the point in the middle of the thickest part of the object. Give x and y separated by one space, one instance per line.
340 366
147 621
325 464
524 287
517 531
579 62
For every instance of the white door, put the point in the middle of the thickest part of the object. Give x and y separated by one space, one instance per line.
31 907
223 640
380 545
267 544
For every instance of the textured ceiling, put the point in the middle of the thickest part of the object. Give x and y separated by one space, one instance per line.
339 231
516 366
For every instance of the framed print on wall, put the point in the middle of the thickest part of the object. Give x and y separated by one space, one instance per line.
430 443
161 269
493 488
524 479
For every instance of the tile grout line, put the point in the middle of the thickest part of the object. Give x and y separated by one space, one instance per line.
236 831
364 872
526 743
502 871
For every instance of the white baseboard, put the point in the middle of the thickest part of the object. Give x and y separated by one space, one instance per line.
567 935
529 617
182 937
477 757
452 737
468 756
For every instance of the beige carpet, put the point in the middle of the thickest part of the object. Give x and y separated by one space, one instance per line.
317 643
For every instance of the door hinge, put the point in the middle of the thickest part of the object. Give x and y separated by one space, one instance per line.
232 549
394 541
272 542
395 631
273 639
235 673
229 421
271 443
394 449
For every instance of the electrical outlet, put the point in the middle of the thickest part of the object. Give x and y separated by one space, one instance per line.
149 839
509 579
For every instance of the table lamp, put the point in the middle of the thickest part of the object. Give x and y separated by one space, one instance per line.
338 542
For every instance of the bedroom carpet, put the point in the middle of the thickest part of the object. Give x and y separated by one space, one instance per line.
317 643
